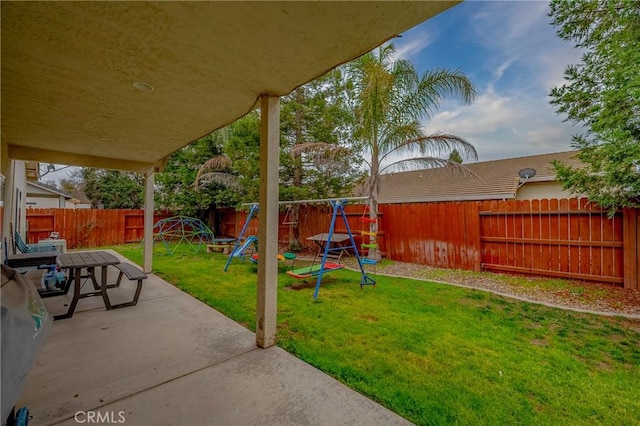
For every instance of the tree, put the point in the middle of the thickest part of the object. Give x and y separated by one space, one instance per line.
174 186
603 94
316 159
231 175
112 189
242 146
235 167
455 156
390 101
73 184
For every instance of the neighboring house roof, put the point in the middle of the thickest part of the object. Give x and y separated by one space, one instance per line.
48 189
489 180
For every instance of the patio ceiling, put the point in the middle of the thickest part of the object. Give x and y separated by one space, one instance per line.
68 69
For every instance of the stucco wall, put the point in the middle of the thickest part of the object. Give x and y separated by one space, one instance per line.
541 190
39 198
44 202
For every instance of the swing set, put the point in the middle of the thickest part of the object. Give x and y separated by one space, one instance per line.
248 246
326 266
338 212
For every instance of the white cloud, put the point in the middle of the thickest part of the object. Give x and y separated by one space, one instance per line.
520 33
514 57
521 60
489 113
551 63
499 72
508 26
502 126
408 48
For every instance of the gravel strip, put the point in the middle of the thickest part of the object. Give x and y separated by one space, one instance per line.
601 299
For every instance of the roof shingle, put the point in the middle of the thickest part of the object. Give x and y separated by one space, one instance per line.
497 179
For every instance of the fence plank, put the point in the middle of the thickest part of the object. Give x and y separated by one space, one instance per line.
584 231
595 233
632 249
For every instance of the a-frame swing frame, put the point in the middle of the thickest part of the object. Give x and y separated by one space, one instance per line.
337 206
338 210
252 211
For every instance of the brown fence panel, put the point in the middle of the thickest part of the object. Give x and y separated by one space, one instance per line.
228 222
84 228
631 237
133 227
562 238
437 234
41 224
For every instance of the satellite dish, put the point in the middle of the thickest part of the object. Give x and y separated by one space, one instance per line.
527 173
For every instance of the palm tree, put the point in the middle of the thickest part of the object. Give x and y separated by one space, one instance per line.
216 170
391 102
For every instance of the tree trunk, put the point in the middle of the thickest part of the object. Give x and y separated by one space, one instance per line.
294 229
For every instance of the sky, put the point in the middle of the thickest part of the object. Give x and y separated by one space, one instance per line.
510 51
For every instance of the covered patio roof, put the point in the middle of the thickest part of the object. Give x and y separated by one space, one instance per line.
70 69
122 85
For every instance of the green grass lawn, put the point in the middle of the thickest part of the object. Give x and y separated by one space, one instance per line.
437 354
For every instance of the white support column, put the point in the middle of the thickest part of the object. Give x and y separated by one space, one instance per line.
268 222
149 207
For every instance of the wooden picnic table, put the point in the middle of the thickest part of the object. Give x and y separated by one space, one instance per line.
337 240
88 261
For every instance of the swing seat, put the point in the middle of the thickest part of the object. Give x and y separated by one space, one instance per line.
312 271
369 261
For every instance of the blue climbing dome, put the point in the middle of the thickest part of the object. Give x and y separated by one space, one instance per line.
176 230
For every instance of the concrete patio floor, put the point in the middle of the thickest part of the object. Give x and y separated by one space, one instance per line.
172 360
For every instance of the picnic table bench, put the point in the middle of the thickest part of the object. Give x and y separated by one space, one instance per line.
133 274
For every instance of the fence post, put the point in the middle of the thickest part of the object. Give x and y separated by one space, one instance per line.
631 240
476 230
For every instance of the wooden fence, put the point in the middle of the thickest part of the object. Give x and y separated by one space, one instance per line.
560 238
566 238
83 228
